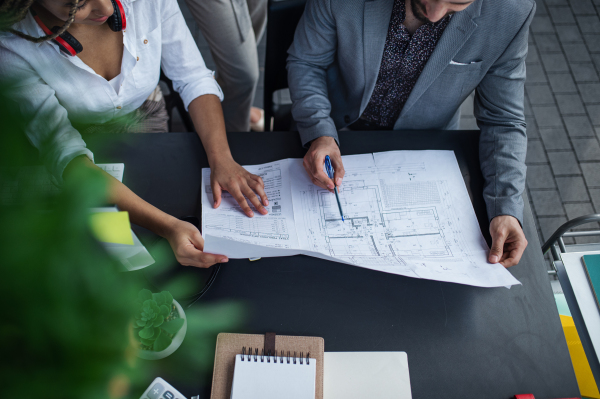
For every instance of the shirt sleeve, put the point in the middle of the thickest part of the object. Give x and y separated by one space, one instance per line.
181 60
46 123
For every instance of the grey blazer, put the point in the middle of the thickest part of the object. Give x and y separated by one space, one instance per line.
334 62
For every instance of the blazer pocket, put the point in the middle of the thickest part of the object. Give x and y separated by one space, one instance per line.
464 75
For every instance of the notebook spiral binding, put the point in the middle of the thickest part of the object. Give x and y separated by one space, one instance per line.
273 357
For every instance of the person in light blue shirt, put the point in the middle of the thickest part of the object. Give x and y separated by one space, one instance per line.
102 64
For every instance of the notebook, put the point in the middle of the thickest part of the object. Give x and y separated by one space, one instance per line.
273 377
358 375
230 346
592 270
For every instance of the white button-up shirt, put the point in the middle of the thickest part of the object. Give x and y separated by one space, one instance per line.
55 91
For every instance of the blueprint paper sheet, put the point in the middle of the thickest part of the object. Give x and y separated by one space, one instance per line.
406 212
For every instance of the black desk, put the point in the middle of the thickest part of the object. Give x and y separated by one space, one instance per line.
462 342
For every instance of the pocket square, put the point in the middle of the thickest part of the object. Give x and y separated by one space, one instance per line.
452 62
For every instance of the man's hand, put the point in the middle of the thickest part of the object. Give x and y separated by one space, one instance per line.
315 159
228 175
508 241
187 244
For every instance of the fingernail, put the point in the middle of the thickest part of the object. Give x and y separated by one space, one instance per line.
250 213
330 186
494 259
266 202
224 260
339 181
264 211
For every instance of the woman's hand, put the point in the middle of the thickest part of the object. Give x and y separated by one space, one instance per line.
228 175
187 244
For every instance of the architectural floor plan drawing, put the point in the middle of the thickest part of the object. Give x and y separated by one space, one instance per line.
405 212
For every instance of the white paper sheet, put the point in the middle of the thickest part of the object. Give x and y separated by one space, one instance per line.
583 293
359 375
406 212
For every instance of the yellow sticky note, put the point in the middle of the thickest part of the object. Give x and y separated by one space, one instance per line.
112 227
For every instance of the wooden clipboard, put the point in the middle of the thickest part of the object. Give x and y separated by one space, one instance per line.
229 345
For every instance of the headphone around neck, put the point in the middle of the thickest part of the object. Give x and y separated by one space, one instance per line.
71 46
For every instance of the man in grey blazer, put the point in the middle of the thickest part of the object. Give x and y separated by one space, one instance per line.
409 64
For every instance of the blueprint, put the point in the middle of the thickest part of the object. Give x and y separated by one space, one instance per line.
406 212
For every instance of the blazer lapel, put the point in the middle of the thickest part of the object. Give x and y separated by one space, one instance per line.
376 22
457 32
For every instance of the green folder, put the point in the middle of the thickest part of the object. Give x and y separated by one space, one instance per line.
592 269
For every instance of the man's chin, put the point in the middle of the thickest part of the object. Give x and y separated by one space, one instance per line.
417 8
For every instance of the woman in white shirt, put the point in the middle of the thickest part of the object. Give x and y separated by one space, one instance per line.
112 76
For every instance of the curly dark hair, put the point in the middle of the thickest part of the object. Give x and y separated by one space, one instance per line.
13 11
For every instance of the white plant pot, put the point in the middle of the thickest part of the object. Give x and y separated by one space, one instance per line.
177 340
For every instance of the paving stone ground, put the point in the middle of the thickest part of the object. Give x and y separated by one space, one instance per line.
562 109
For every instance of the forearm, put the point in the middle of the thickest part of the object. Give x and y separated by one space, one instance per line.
207 115
140 212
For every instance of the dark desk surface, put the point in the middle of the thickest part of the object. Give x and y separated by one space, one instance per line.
461 341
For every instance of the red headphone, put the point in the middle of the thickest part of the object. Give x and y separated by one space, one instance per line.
67 42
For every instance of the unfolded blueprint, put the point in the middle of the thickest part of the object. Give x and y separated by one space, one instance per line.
406 212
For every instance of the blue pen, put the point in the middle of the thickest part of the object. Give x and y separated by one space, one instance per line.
329 170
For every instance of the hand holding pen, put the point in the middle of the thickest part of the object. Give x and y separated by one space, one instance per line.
315 159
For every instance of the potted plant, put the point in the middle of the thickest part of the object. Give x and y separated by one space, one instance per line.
160 324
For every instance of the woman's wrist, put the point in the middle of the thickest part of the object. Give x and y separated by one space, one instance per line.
215 160
167 227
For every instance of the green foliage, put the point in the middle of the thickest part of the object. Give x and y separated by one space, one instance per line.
155 324
65 333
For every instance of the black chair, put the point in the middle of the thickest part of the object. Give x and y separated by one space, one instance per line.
173 100
282 19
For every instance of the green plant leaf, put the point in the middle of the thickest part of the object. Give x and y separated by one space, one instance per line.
144 295
164 310
173 326
147 332
149 323
159 320
168 298
159 298
147 342
140 323
162 342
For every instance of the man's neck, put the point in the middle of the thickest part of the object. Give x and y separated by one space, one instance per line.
410 22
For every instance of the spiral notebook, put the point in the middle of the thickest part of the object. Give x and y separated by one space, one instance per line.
260 376
231 372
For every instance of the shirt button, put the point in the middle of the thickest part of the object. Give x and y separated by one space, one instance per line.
145 41
119 107
137 58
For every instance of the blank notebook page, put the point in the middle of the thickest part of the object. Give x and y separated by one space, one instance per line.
269 380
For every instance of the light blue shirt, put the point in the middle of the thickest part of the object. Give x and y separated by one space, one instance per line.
54 91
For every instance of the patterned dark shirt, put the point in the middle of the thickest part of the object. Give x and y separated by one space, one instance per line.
404 58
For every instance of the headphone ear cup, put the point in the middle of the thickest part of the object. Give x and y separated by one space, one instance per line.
117 22
68 44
